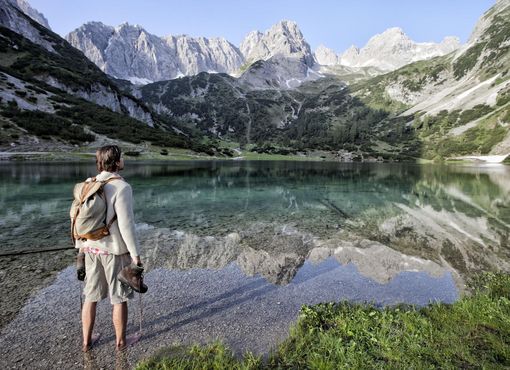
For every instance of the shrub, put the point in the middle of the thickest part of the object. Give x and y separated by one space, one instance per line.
468 60
45 124
20 93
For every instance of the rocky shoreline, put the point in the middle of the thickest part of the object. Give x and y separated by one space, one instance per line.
192 306
23 275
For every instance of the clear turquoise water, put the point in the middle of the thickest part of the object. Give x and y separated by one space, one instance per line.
456 216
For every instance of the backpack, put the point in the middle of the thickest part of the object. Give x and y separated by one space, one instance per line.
88 211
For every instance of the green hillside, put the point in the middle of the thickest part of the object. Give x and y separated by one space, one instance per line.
42 94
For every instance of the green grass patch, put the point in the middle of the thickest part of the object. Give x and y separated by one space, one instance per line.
434 132
474 332
477 140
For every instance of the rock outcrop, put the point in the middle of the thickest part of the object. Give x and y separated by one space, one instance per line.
25 7
13 17
130 52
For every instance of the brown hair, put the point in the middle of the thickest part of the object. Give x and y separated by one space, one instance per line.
107 158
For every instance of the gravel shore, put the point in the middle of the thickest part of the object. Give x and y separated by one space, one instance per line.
195 306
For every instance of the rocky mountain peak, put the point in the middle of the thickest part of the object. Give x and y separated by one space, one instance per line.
93 26
486 20
353 49
288 28
451 40
131 30
449 44
391 38
98 31
93 37
326 56
394 31
128 27
284 38
489 42
13 17
25 7
349 57
393 49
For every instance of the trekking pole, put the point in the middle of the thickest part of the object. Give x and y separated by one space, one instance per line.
81 297
140 310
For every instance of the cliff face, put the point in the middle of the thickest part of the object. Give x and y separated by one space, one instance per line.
24 6
283 39
14 18
130 52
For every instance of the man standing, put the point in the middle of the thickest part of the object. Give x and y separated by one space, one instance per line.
107 256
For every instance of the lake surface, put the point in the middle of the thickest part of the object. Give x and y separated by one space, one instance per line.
233 249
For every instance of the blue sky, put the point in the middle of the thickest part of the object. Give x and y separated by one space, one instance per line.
336 24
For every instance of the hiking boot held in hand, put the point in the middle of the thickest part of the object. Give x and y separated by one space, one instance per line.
132 276
80 266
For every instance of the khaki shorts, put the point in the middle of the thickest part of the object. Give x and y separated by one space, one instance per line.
101 278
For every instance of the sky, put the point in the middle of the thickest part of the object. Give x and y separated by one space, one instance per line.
335 24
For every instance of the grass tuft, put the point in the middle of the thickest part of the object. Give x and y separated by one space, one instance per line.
474 332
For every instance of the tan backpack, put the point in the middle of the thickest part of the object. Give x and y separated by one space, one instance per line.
88 211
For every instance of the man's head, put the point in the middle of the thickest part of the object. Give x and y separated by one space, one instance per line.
108 158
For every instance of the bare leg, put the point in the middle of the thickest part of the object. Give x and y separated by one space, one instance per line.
120 315
88 317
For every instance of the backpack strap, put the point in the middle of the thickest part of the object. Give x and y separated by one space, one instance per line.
114 218
115 215
110 179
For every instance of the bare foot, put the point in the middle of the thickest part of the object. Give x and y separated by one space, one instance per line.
130 340
121 345
87 346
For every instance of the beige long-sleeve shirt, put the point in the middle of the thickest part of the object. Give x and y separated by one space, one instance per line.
119 200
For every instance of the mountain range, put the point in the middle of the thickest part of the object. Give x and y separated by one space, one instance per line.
130 52
272 94
387 51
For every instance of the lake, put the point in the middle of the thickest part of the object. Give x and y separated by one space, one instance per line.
234 248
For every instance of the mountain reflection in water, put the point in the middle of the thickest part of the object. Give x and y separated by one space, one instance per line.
270 217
